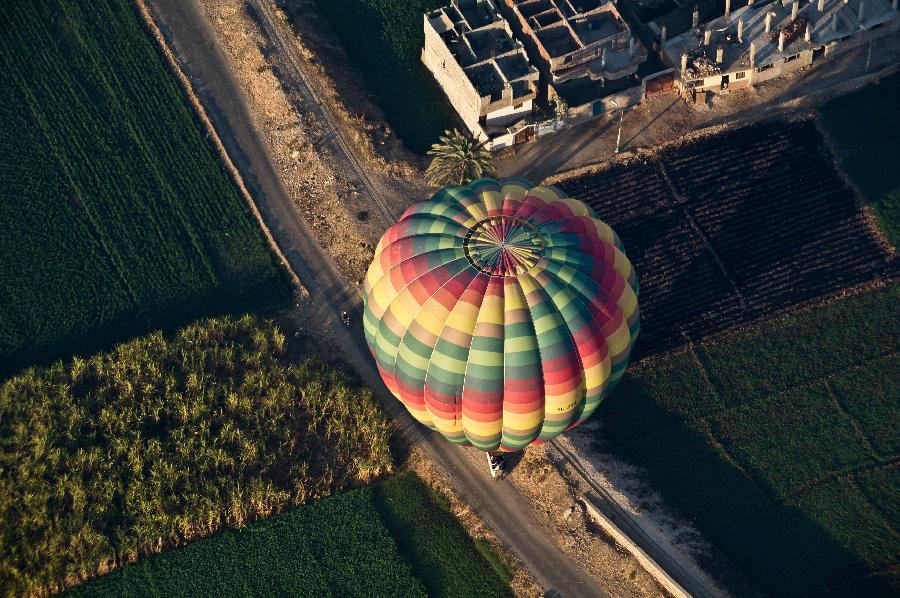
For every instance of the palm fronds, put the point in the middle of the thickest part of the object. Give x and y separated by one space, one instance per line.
458 158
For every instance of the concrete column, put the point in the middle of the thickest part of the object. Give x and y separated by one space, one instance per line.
894 4
749 2
862 7
727 9
795 8
696 18
662 36
603 57
834 21
781 41
808 35
821 6
752 52
720 54
741 29
768 21
683 62
707 36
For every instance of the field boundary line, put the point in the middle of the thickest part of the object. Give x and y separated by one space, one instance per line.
852 420
682 203
200 111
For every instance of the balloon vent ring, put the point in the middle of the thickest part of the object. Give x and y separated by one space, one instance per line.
503 245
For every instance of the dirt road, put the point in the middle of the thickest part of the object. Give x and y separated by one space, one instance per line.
500 504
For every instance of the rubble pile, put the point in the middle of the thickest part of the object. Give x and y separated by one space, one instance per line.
700 64
792 31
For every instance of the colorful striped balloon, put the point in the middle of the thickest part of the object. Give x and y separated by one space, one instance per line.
499 313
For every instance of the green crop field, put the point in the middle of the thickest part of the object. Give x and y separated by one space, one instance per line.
165 440
117 215
385 540
782 444
386 52
865 126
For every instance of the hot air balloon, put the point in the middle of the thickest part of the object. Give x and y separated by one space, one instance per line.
500 314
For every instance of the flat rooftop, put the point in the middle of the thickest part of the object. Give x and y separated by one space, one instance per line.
479 39
597 27
564 26
557 40
837 20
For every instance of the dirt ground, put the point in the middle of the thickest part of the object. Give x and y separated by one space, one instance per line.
558 499
346 228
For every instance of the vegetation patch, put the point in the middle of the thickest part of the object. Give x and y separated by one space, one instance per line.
165 440
117 216
780 443
865 127
436 546
391 539
334 547
384 40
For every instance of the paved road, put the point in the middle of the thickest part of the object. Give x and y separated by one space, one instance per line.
500 504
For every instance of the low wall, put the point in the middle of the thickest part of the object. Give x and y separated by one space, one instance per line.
624 99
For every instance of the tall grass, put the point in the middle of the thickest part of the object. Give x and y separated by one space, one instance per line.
164 440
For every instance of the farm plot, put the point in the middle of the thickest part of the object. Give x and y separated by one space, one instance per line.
732 228
780 443
117 216
387 540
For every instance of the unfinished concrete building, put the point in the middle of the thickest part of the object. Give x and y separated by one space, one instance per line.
580 46
763 40
485 73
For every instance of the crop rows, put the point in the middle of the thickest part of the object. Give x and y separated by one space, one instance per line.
733 228
777 213
120 218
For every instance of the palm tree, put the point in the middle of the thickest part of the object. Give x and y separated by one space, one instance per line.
458 158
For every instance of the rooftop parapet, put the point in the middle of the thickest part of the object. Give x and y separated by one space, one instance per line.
480 42
575 38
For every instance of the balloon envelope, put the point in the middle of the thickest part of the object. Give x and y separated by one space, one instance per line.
499 313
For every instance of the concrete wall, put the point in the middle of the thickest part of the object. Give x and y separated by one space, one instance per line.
509 113
782 68
450 76
629 97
